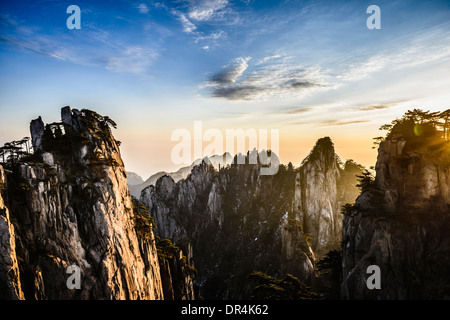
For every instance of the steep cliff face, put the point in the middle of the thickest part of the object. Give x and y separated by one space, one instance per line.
187 206
297 256
318 197
70 206
400 223
419 176
177 275
10 285
240 221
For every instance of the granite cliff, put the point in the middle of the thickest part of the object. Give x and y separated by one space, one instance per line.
68 204
400 222
321 188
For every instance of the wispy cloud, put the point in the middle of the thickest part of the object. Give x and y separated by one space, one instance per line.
364 69
143 8
193 14
331 122
298 110
277 75
188 26
374 107
220 34
337 122
429 47
276 79
81 49
231 72
38 45
269 58
204 10
133 59
211 40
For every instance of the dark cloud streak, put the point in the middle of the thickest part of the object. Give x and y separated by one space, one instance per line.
376 107
340 122
298 110
236 92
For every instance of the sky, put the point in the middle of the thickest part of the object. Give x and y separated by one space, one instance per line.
308 69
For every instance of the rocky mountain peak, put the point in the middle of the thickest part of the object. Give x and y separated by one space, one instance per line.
400 221
134 179
323 152
69 205
165 186
317 200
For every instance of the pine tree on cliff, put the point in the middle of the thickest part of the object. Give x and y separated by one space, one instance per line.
366 181
416 123
445 115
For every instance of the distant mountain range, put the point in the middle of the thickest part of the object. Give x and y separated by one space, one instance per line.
136 183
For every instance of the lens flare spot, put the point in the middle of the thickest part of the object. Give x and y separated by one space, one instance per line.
418 130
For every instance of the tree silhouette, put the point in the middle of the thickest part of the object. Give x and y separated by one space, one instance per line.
377 141
107 120
420 116
25 141
290 167
366 181
445 115
2 153
270 288
12 151
416 122
330 267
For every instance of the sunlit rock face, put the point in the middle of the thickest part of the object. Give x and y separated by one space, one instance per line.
70 205
409 174
10 285
318 197
401 224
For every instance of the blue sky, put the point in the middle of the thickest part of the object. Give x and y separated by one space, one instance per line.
307 68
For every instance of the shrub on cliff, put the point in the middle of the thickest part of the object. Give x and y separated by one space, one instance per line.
288 288
144 223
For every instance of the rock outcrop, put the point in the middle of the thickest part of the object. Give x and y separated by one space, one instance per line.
68 205
400 223
37 131
177 276
318 199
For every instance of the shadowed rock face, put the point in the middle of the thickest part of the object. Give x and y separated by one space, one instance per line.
37 131
401 224
240 221
70 205
231 219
